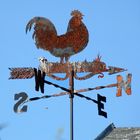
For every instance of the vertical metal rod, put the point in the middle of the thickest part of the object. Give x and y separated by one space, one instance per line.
71 118
71 84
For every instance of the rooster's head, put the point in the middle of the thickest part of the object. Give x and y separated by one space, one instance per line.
77 13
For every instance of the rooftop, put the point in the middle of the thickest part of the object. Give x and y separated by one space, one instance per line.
119 133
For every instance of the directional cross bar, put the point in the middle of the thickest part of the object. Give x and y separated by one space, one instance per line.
24 99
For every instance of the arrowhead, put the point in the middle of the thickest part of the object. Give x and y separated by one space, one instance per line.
114 70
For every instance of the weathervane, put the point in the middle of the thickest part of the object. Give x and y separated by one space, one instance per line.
64 46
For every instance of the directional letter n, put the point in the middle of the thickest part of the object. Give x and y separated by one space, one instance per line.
125 85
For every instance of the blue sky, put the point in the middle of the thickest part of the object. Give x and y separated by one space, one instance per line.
114 28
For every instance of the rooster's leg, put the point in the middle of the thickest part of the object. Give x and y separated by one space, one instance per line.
67 59
61 59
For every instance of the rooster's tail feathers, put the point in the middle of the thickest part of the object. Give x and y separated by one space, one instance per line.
46 24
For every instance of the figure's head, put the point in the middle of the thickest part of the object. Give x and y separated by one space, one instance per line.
77 14
76 19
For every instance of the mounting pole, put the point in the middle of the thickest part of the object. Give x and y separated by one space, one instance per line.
71 87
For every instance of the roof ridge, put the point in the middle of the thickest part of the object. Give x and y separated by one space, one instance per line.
105 132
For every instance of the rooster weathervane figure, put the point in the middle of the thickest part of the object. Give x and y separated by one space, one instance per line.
63 46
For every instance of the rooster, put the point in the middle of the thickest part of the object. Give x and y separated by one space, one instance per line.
63 46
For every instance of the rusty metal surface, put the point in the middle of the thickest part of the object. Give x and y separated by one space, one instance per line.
95 66
51 68
113 70
87 76
21 73
126 85
58 78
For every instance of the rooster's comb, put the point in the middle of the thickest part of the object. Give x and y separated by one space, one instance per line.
76 13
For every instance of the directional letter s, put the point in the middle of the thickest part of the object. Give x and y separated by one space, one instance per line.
23 97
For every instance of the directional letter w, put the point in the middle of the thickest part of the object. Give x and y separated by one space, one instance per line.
126 85
39 80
